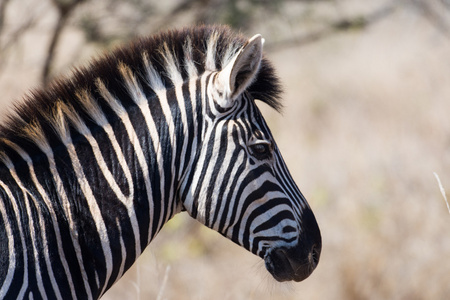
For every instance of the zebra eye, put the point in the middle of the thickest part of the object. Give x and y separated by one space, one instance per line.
261 150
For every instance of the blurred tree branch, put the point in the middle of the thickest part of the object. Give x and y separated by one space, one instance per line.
106 21
345 24
65 8
3 5
14 36
435 12
197 6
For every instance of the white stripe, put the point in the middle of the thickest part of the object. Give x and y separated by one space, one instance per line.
138 96
93 208
210 91
134 140
182 105
210 61
210 171
195 137
276 230
50 208
205 86
189 64
158 87
192 73
226 164
126 201
189 201
10 239
171 67
99 117
32 231
177 80
256 183
123 250
38 136
73 229
236 204
61 127
193 90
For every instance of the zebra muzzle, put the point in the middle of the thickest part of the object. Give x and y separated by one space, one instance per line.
287 264
299 261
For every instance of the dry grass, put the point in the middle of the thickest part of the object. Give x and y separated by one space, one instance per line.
441 188
365 126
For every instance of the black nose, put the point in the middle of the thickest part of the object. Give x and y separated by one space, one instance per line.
291 263
315 255
299 261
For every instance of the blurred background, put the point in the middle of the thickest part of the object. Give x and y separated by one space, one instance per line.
366 123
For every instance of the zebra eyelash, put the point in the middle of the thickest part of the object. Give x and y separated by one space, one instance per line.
261 149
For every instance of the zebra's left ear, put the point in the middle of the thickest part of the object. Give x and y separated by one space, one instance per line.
240 72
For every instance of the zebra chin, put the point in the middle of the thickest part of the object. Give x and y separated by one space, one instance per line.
297 262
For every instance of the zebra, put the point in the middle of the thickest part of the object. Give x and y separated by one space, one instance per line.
94 165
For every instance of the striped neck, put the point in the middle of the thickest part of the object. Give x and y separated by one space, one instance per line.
109 180
90 168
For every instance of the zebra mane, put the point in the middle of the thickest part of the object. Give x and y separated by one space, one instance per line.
210 48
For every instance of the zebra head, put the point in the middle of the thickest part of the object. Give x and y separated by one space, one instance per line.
239 184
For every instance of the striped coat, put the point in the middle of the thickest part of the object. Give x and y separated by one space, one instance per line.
92 167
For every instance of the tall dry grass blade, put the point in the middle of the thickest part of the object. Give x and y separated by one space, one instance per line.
442 191
137 284
163 284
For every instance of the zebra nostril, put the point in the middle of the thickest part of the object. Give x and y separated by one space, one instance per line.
314 256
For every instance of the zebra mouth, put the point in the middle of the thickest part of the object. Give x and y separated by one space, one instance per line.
285 264
299 261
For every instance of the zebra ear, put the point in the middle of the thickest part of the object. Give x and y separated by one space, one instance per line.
240 72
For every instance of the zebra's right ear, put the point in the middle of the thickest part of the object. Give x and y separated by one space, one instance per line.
240 72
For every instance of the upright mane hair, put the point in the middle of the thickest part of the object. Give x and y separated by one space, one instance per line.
203 41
